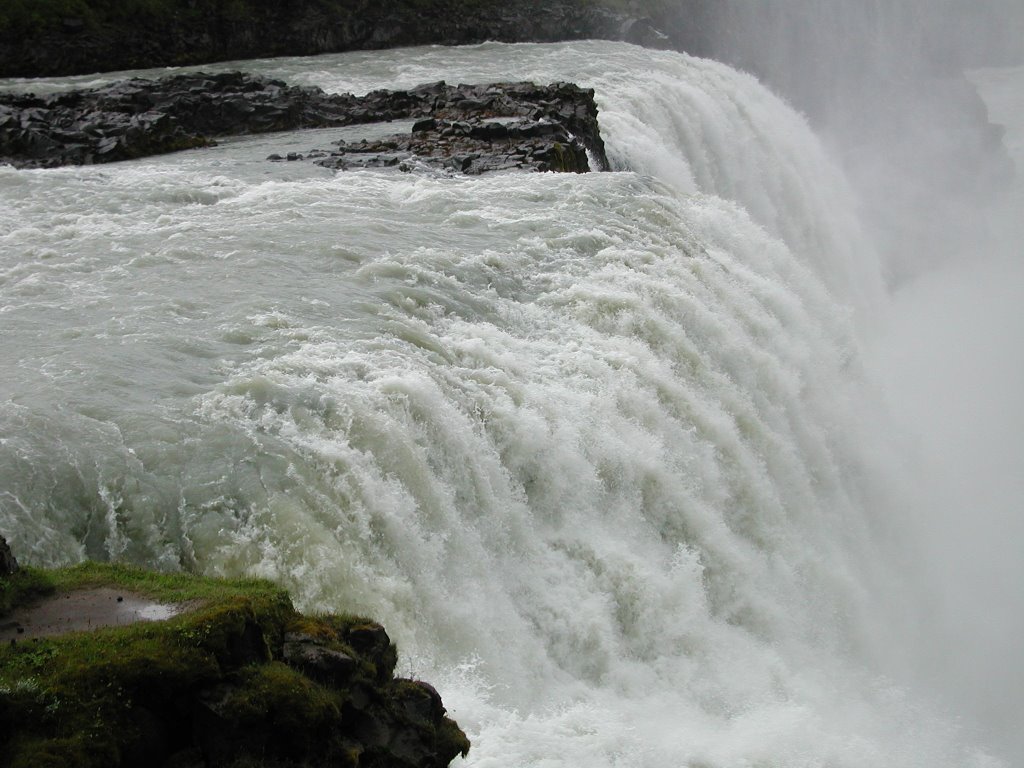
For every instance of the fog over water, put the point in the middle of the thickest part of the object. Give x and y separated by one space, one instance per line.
708 461
952 362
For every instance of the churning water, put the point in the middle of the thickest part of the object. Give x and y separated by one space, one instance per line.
598 450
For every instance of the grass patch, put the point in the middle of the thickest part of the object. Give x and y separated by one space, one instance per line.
23 587
213 683
70 698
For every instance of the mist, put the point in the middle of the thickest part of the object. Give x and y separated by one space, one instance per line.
931 134
884 83
952 364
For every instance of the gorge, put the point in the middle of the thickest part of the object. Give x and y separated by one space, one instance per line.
617 458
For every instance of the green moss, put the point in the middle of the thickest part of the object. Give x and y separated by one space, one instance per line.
23 587
59 693
290 714
211 679
452 739
55 753
169 587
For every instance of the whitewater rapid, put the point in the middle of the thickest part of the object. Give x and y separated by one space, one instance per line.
598 450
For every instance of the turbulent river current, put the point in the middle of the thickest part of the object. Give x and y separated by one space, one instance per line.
601 451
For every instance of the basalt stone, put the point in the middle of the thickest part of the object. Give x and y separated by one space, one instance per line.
317 660
371 641
475 129
464 128
421 702
471 147
8 563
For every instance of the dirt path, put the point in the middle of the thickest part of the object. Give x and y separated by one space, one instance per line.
83 610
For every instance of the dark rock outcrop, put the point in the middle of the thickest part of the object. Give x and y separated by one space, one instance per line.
325 702
470 129
238 677
476 129
8 563
472 147
306 653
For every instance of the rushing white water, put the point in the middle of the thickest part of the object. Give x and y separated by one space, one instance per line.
597 449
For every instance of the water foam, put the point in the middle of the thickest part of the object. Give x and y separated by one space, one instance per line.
594 448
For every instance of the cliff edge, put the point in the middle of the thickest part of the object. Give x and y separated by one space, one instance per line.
108 665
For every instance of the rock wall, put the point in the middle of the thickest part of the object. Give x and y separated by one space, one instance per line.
185 32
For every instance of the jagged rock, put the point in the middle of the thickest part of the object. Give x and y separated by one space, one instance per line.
317 660
8 563
422 702
464 128
471 147
136 118
368 639
476 129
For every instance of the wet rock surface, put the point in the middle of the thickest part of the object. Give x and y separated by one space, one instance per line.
476 129
465 128
470 147
8 563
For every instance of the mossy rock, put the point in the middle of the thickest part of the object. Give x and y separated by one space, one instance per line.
215 685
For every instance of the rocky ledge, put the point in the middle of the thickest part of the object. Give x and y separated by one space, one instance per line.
465 128
227 673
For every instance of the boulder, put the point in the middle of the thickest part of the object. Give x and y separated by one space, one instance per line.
8 563
471 147
317 660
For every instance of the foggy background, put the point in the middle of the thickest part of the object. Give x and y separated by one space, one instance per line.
883 82
905 93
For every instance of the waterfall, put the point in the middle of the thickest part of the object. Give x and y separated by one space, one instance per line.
598 450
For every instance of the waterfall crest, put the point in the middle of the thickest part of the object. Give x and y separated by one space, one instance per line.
595 449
